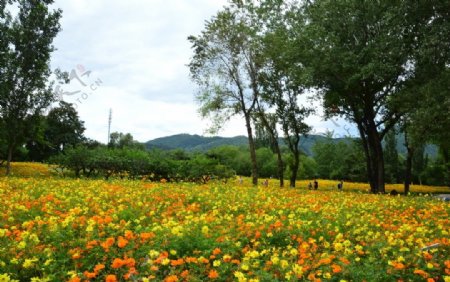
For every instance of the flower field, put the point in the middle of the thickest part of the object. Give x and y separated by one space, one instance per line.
91 230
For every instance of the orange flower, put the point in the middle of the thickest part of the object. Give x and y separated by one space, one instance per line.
213 274
76 256
147 235
111 278
336 268
122 242
324 261
421 273
130 262
345 261
399 265
216 251
191 260
177 262
108 243
75 279
129 234
91 244
184 274
99 267
117 263
430 280
447 263
89 274
130 273
427 255
171 278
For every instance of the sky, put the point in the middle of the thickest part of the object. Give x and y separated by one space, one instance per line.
131 57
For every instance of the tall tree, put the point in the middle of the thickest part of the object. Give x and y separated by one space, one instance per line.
359 54
225 66
25 48
282 82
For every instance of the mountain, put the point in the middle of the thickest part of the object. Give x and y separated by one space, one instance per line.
194 142
200 143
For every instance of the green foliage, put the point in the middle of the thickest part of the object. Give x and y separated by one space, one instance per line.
121 140
139 164
25 48
59 130
341 160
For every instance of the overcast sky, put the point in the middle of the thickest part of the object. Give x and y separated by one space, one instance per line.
131 56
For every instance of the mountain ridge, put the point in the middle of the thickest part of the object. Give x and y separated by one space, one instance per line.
195 142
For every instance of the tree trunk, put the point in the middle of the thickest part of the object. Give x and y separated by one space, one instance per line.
373 150
280 163
9 159
251 145
408 169
294 169
367 153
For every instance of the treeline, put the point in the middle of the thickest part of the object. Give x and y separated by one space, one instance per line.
134 163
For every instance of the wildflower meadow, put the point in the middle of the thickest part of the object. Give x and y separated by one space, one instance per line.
54 229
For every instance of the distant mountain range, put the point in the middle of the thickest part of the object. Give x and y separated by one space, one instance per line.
200 143
190 142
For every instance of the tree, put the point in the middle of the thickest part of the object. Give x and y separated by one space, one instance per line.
60 129
25 48
225 66
359 55
123 140
282 82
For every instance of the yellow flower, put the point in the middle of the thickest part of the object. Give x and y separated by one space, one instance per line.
29 263
430 265
22 245
275 260
14 261
165 261
284 263
298 270
153 253
37 279
245 267
6 278
294 252
216 263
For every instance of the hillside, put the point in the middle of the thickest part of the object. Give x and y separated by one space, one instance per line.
200 143
190 142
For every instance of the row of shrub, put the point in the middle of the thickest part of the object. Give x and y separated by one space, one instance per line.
139 164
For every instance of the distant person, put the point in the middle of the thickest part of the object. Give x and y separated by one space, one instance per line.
340 185
316 184
393 192
266 183
240 180
310 186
